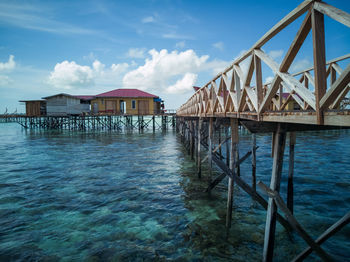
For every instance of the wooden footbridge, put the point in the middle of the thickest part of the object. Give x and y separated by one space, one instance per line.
232 99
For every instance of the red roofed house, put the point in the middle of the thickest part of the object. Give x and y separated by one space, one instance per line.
126 101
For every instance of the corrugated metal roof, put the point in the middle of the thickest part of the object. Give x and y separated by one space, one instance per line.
122 92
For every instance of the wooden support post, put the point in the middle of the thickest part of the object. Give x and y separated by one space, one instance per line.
227 148
290 193
153 123
199 162
318 39
219 137
192 139
233 167
279 144
254 162
210 146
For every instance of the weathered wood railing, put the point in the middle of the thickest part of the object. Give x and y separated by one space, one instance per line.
231 94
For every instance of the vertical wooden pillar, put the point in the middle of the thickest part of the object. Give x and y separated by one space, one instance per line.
290 193
192 139
318 39
227 147
219 142
254 162
279 144
154 123
233 167
258 80
199 161
210 147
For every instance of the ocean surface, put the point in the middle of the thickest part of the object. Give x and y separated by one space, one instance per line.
130 196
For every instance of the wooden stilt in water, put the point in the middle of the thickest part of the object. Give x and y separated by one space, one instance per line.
227 147
290 193
254 162
210 147
199 162
278 150
233 167
192 139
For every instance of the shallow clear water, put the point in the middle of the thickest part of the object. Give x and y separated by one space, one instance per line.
108 196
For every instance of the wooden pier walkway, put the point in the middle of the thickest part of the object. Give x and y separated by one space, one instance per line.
232 99
95 122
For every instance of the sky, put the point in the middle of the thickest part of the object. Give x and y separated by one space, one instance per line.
163 47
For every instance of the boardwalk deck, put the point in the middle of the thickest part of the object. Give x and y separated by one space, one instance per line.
231 99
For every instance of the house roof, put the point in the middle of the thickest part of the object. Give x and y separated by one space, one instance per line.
83 97
122 92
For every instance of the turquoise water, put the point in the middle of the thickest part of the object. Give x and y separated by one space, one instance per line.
108 196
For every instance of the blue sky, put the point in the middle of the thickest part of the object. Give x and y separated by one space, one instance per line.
162 47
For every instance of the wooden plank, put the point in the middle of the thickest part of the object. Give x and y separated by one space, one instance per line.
233 159
258 82
216 148
326 235
318 39
254 161
252 97
340 97
274 195
269 239
210 142
334 13
293 83
199 139
338 86
297 43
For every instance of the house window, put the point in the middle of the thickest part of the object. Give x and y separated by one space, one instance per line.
133 104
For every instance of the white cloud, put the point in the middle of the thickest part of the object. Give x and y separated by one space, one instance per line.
183 85
219 45
119 68
276 54
148 19
68 75
9 65
180 44
136 52
159 71
98 66
176 36
300 65
268 79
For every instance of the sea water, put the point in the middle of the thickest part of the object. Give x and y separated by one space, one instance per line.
131 196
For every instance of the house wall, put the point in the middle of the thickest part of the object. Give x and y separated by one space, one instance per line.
33 108
64 105
102 104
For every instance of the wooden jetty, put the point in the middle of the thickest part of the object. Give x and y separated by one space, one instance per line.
230 100
95 122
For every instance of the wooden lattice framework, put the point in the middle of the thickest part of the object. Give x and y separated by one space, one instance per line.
230 93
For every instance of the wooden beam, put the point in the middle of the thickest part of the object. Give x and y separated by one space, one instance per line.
278 151
318 39
332 12
274 195
233 160
297 43
199 139
338 86
258 82
327 234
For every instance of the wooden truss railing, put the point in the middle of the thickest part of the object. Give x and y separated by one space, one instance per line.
230 93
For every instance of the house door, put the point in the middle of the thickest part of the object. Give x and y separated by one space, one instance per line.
143 107
95 107
110 106
122 107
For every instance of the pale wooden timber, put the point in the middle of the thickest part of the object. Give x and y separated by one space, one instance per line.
335 13
327 234
318 38
274 195
199 162
210 141
233 159
269 239
235 97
